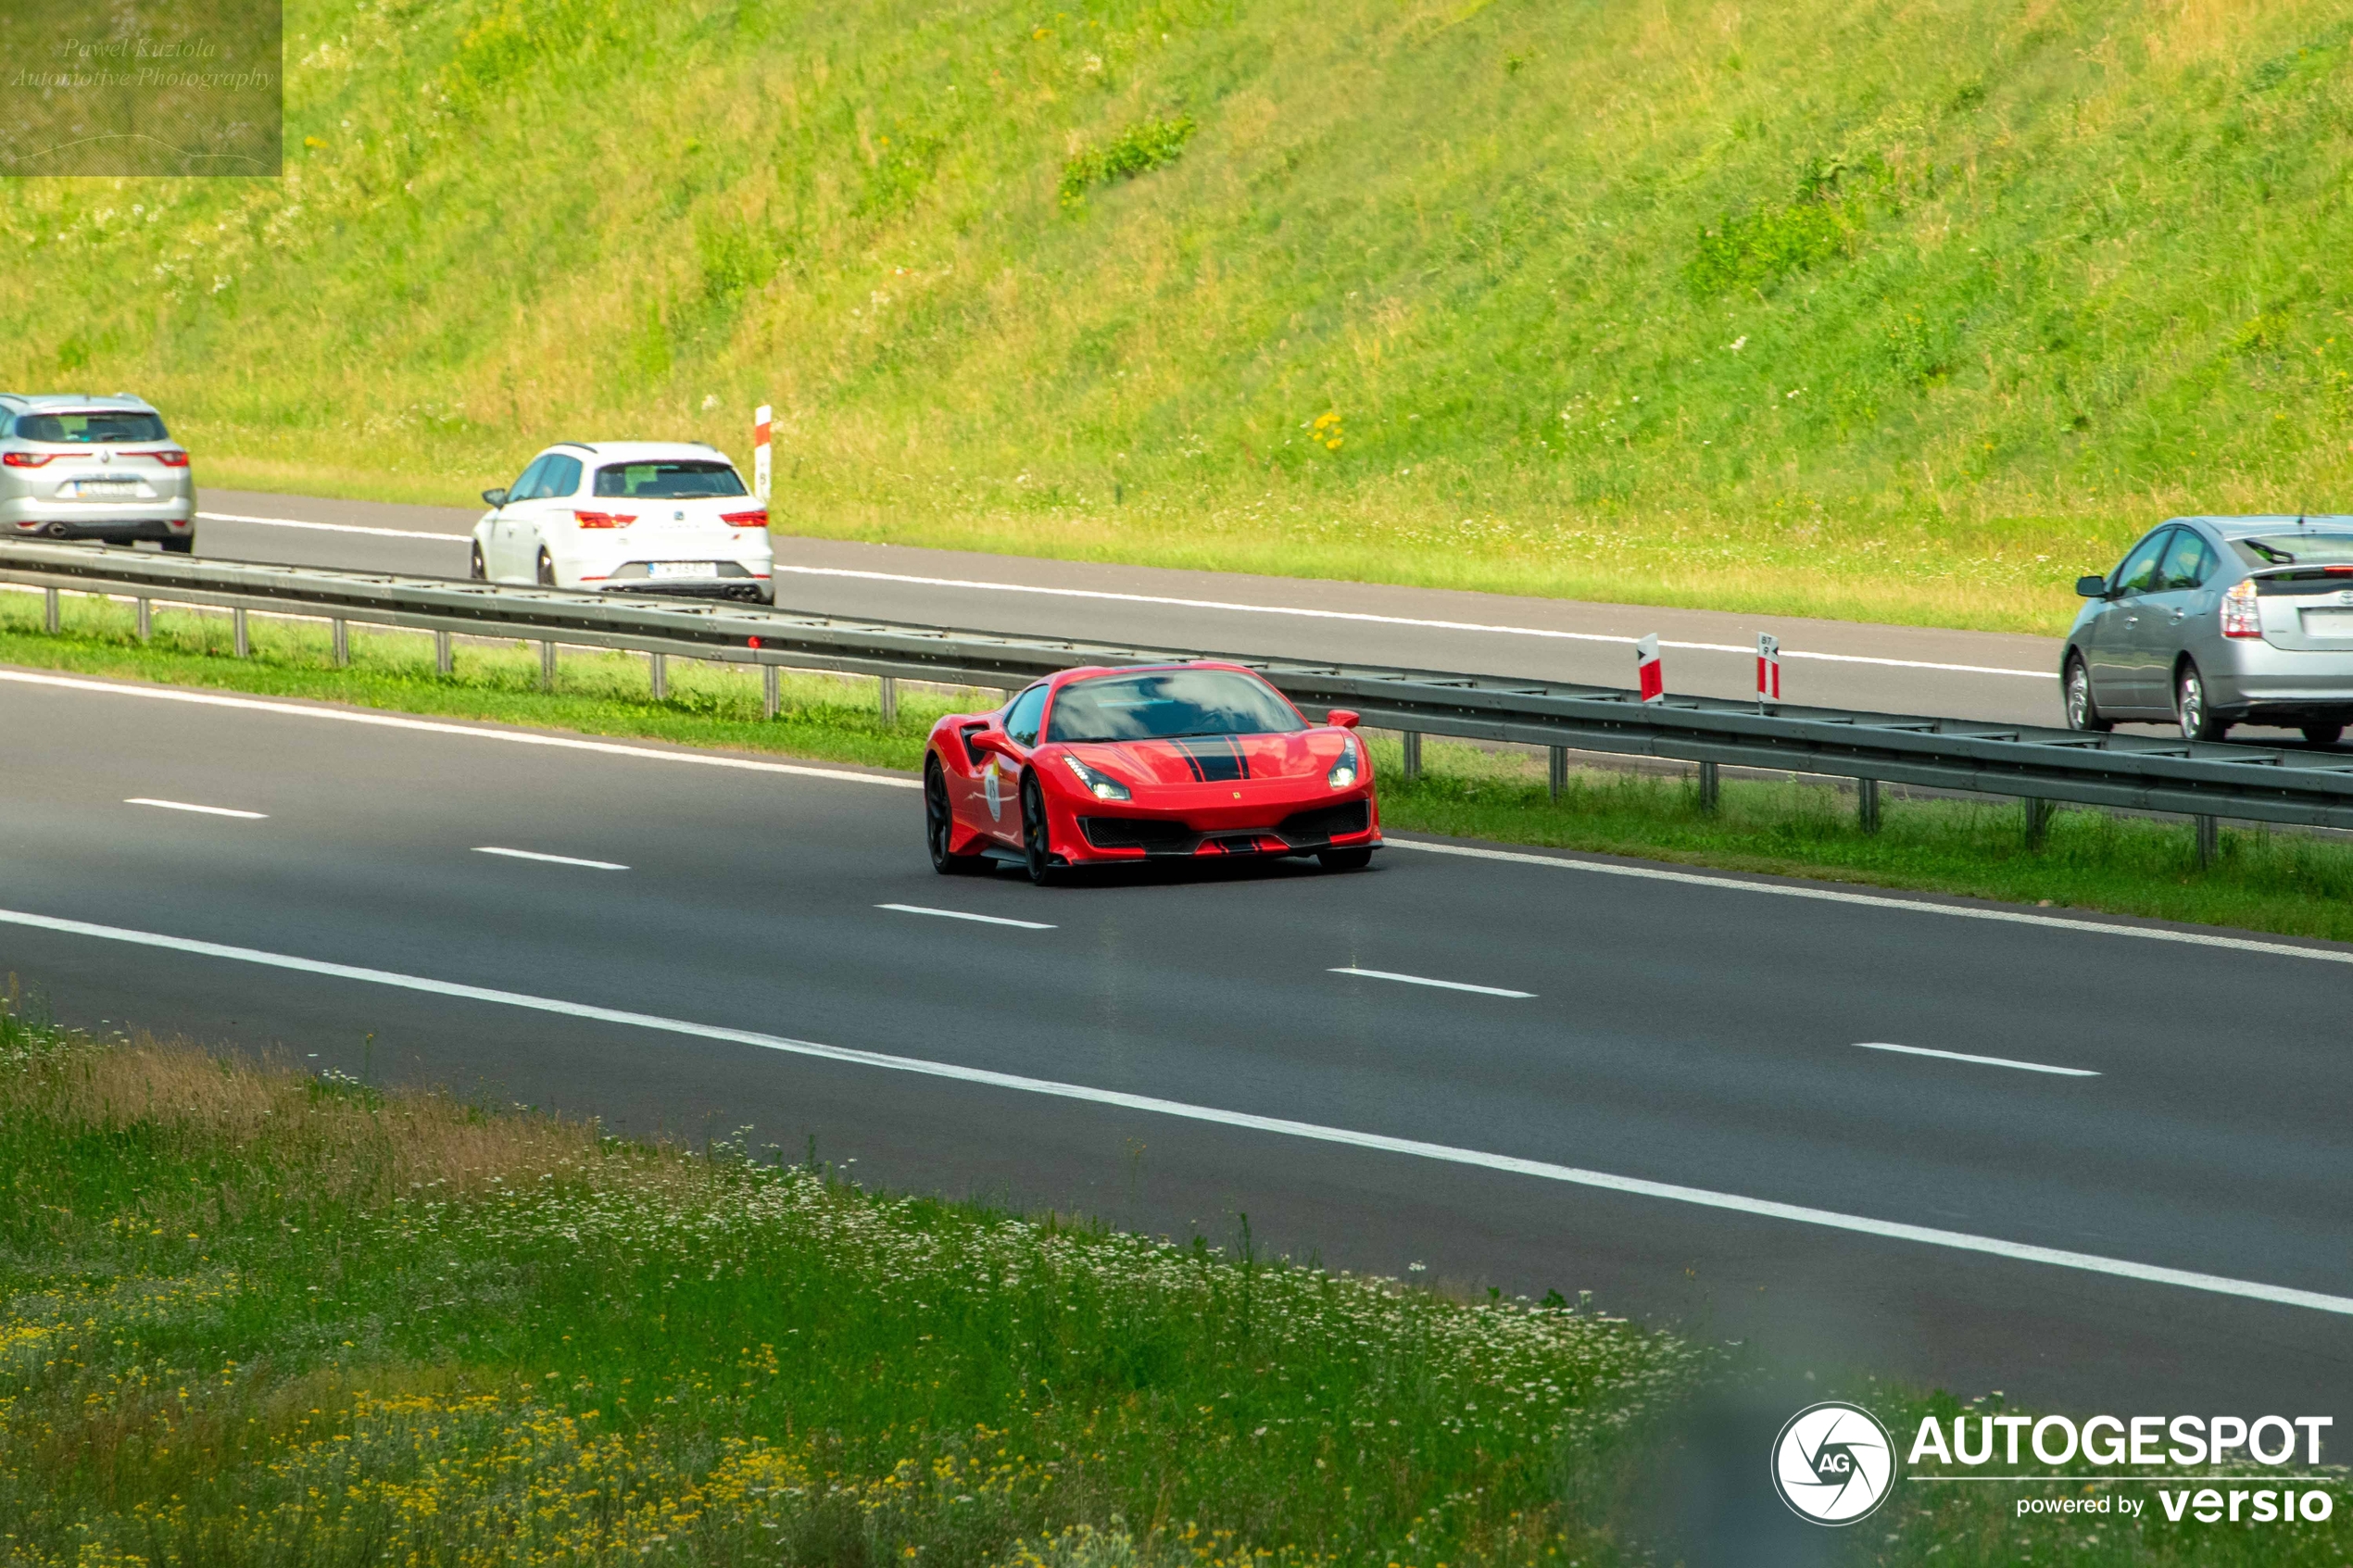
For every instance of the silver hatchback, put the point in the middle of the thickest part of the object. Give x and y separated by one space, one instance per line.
2211 622
93 468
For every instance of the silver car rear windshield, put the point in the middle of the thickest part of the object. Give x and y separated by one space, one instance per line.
100 427
683 479
1165 704
2295 550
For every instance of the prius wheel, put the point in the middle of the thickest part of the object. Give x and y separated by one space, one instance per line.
1345 859
547 569
1037 858
2198 720
940 827
474 568
2082 713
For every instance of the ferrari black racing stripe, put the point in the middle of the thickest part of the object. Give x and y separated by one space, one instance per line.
1220 763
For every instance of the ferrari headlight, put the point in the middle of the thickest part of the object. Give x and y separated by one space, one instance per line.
1100 785
1345 771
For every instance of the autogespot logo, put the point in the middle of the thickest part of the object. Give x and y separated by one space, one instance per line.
1834 1463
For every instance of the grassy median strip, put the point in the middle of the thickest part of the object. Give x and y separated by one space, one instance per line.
250 1315
2288 883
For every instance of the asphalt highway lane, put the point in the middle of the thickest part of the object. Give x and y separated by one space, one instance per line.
1677 1031
1993 677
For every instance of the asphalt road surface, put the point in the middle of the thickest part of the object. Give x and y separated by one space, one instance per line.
1700 1097
1994 676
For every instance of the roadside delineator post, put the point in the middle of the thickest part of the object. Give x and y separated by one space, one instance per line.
1768 669
1648 673
759 469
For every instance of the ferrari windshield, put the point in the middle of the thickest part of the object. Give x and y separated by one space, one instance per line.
1166 704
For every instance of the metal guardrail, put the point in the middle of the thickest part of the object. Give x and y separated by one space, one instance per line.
2140 772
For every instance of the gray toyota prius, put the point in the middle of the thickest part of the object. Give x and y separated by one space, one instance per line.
2211 622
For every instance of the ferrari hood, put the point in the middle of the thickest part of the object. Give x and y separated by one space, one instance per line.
1216 759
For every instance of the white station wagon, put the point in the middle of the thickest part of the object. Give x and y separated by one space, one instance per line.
645 517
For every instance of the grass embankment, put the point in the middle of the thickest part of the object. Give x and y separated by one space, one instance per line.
1889 312
2292 884
249 1315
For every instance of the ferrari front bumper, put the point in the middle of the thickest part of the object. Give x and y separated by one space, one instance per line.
1345 823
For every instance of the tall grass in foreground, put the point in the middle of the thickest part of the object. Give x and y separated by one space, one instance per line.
248 1316
2291 882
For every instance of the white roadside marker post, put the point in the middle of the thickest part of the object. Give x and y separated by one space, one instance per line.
1769 671
761 470
1648 673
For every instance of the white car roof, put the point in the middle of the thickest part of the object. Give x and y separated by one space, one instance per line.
643 451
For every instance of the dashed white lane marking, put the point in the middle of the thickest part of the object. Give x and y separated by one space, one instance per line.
1366 617
961 914
207 811
429 726
1920 907
1980 1060
552 860
337 527
1424 980
1962 1241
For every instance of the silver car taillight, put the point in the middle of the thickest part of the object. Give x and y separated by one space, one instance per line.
2242 616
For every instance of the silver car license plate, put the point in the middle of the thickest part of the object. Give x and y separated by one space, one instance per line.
2328 622
685 569
106 489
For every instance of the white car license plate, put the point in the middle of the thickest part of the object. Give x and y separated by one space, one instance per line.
685 569
2328 622
106 489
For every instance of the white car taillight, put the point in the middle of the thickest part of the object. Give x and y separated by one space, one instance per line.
2242 616
604 519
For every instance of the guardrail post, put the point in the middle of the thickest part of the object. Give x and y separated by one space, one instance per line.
2209 840
659 674
771 696
339 641
889 701
1710 788
2038 821
48 609
145 622
1867 804
1556 770
243 643
444 661
546 667
1413 752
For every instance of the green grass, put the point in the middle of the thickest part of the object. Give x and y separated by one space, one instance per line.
1894 311
252 1316
2290 883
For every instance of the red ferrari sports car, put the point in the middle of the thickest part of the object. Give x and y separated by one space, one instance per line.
1103 767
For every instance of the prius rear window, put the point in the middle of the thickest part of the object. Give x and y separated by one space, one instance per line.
2298 548
686 480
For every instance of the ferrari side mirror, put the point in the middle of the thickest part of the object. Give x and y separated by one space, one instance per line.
985 742
1345 717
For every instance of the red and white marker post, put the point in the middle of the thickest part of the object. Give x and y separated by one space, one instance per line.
760 470
1768 669
1649 673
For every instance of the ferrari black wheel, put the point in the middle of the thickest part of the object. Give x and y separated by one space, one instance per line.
1345 859
1036 858
940 827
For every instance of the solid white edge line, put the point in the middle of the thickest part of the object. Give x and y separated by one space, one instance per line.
337 527
185 806
1980 1060
552 860
1368 618
1425 980
430 726
960 914
2118 1267
1829 896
